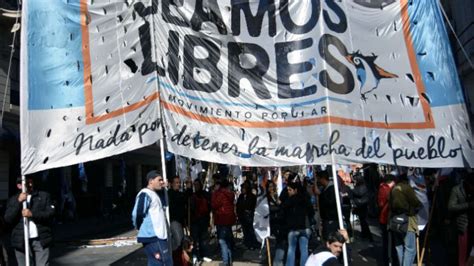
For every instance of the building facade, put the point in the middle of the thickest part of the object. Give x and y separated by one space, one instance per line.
461 17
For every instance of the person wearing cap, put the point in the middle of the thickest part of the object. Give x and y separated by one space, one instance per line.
39 212
149 217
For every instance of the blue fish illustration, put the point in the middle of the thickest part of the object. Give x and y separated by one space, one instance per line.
368 72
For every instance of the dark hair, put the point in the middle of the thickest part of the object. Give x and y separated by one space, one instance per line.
429 171
323 175
197 180
402 177
18 179
295 185
152 175
186 242
389 178
358 178
224 182
246 185
335 237
270 182
216 176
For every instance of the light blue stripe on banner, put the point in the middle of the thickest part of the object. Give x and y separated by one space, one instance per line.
434 55
55 65
249 105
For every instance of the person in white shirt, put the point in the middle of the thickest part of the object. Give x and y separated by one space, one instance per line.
149 218
328 255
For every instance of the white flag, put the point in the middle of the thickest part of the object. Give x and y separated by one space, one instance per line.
261 219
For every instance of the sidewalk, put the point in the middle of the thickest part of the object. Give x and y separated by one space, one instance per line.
74 242
71 247
91 228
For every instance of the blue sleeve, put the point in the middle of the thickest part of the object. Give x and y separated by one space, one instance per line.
140 210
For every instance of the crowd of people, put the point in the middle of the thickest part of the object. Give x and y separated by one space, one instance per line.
422 216
304 214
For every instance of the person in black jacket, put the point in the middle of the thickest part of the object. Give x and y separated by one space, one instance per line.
327 205
245 206
39 212
178 202
299 220
360 195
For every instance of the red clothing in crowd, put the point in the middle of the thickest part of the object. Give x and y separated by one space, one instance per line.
181 258
222 203
383 201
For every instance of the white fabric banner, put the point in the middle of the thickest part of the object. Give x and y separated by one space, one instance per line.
274 83
88 82
255 83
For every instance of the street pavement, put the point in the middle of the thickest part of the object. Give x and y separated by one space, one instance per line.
120 248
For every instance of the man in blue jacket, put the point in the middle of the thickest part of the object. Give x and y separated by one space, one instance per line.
149 217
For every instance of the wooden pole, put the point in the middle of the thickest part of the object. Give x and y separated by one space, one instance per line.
269 254
428 227
418 250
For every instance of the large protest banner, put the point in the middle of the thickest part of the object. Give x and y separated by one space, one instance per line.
88 84
267 83
257 83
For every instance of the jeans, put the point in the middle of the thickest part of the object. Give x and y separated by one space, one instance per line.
159 247
279 256
39 256
406 248
301 237
281 246
226 242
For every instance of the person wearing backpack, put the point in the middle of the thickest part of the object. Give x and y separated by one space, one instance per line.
403 206
200 217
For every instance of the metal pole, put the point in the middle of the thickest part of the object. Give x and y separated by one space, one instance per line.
165 178
338 207
26 228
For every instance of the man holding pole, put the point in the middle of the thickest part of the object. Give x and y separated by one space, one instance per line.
328 255
149 218
39 211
